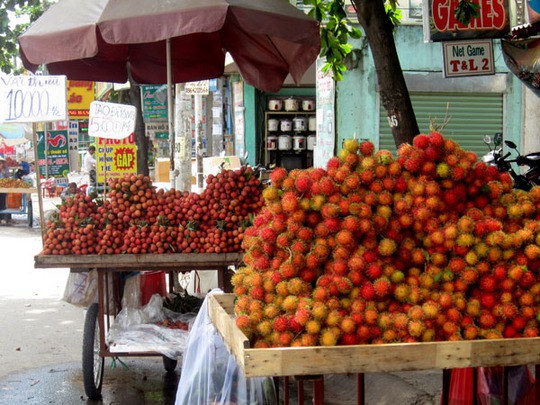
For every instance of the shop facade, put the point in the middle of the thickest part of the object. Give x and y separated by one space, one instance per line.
463 108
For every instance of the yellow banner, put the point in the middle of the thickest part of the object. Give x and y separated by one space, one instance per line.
80 94
115 158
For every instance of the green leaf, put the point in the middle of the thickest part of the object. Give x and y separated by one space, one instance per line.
466 11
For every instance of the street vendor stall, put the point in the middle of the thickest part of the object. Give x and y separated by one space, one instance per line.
101 314
24 203
314 362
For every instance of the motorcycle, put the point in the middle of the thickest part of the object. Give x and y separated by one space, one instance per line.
523 181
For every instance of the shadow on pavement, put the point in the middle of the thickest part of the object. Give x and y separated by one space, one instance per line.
144 382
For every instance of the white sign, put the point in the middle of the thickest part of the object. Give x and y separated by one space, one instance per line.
200 87
32 98
110 120
468 58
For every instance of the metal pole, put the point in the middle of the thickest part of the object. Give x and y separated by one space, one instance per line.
199 141
170 112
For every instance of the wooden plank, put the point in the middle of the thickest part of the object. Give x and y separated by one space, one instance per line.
371 358
238 342
20 190
192 261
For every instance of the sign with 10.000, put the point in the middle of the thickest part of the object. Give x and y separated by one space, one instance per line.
32 98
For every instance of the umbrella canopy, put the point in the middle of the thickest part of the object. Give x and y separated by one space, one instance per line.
14 134
103 40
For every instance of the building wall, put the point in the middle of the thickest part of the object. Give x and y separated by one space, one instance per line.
422 63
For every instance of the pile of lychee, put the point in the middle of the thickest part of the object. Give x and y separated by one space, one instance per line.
428 245
137 218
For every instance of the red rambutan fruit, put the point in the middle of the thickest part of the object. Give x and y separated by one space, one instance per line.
367 148
421 141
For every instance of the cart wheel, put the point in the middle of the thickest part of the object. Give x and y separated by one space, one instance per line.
92 363
169 364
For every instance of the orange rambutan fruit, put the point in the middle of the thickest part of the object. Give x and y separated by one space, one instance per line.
328 337
430 309
465 240
313 327
445 300
402 292
312 261
400 321
474 308
387 247
288 184
486 320
277 176
345 238
416 328
394 169
290 303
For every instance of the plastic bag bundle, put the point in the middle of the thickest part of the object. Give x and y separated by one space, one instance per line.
210 374
135 329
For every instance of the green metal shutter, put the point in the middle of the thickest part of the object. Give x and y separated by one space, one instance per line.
470 117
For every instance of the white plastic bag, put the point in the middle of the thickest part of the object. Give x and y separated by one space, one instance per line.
82 289
200 282
135 330
210 374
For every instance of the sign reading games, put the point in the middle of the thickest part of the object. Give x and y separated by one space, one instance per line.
440 23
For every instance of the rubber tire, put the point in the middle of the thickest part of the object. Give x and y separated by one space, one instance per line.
169 364
92 363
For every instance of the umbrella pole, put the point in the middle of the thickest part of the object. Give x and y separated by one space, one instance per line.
170 113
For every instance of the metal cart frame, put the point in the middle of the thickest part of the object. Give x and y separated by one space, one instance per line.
98 317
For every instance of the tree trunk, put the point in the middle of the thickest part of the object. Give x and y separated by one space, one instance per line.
141 141
393 90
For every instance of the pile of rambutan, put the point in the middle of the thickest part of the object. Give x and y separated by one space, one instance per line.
428 245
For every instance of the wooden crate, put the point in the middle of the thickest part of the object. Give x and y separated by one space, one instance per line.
291 361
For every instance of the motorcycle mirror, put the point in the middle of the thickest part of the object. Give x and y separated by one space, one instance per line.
510 144
487 139
498 139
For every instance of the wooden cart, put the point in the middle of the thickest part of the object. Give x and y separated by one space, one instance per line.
98 319
360 359
25 207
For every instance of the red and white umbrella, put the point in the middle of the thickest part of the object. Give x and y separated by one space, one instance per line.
106 40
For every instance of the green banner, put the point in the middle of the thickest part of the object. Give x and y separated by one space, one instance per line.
56 164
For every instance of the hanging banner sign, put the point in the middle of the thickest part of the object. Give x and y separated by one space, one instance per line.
110 120
200 87
80 93
440 23
468 58
157 130
154 103
32 98
115 157
54 154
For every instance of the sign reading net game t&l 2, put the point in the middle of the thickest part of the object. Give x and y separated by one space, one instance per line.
32 98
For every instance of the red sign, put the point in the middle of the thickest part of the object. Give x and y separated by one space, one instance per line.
493 21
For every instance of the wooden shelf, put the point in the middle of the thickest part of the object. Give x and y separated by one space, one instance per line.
171 261
316 360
